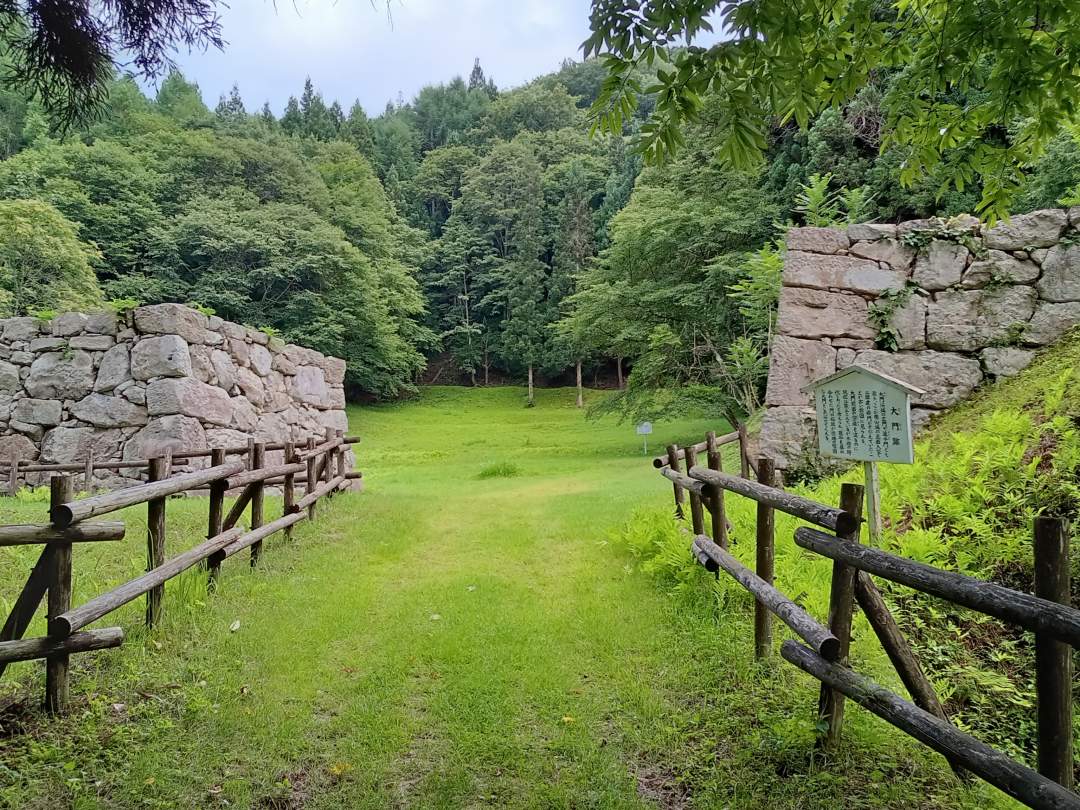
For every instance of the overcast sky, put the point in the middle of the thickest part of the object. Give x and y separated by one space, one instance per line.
352 50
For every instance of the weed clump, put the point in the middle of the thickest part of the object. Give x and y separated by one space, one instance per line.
503 469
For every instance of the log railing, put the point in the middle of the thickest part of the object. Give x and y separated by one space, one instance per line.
1047 613
14 471
70 524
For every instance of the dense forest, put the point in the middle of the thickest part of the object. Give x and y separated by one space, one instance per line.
485 232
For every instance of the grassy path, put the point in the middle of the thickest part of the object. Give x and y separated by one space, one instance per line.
462 634
441 640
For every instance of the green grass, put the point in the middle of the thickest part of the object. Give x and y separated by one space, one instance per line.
462 634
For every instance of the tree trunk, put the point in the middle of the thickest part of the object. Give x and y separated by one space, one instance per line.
618 371
530 384
580 393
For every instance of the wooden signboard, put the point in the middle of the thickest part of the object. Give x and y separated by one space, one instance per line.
863 415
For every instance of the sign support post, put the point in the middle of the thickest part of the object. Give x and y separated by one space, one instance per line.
873 502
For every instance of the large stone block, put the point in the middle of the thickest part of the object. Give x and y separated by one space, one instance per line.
945 378
870 231
224 369
334 368
21 329
891 251
172 319
972 319
309 386
103 410
1037 229
794 364
47 344
115 368
1006 361
92 343
261 359
61 375
68 445
335 420
202 366
17 447
68 324
272 428
38 411
251 385
163 356
9 377
244 415
941 266
817 240
283 365
102 322
240 352
1001 268
840 272
788 434
1050 322
27 428
172 433
808 313
189 397
1060 280
909 323
226 437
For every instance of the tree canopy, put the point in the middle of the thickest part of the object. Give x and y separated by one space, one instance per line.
972 90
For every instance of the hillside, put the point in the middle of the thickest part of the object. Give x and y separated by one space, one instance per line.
983 471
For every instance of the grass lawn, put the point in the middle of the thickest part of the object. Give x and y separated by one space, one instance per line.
461 634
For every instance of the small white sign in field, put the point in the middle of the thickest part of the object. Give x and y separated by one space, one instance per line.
643 430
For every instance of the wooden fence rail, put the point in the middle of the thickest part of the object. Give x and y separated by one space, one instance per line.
1047 613
12 469
50 577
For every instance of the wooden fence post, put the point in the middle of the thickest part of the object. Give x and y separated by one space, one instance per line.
1053 659
288 494
217 515
697 514
61 491
841 611
88 472
766 522
744 459
716 501
309 485
13 477
250 457
673 463
341 454
328 459
258 458
155 538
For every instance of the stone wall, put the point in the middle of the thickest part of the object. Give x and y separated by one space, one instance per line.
977 303
161 377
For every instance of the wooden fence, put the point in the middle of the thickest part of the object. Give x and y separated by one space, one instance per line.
319 467
823 652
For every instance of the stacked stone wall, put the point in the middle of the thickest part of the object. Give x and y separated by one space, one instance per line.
162 377
976 304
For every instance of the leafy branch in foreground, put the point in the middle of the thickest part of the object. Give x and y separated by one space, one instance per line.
976 89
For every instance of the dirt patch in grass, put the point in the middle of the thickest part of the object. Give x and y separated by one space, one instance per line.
661 786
